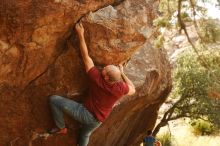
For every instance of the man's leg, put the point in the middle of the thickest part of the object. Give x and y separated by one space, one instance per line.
85 133
59 105
56 108
76 111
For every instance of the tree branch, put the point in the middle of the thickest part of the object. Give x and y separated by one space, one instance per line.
183 27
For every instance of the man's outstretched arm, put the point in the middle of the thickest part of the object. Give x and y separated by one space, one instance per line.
128 81
83 48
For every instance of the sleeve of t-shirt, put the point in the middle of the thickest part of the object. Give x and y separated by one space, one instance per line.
120 89
95 76
125 88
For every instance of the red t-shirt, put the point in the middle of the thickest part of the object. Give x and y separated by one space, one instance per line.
103 95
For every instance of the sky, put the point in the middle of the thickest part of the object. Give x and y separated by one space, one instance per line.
213 11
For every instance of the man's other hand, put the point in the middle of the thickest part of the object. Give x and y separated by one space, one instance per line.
121 68
79 28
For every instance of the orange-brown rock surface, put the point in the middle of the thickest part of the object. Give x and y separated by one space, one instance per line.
39 56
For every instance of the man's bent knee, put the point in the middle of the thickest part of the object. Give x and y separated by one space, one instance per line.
54 98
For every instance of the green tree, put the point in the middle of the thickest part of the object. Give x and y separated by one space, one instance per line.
196 78
192 86
201 127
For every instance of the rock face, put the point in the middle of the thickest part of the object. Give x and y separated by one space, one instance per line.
39 56
118 31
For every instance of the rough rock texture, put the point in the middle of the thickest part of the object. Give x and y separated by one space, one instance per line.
39 56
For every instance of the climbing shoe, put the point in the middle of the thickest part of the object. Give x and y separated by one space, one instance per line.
58 131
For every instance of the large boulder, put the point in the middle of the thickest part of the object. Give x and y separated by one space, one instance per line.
39 56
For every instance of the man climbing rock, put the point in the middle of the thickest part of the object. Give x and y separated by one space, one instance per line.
105 88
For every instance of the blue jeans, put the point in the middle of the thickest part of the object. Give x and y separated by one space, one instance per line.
77 111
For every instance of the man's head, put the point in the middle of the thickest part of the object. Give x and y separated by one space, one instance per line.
111 73
149 132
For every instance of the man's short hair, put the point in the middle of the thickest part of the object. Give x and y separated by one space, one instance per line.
113 78
149 132
114 73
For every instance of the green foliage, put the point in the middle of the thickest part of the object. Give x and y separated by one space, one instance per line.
185 17
168 18
189 81
193 82
165 139
213 59
158 43
196 76
201 127
169 9
210 30
162 22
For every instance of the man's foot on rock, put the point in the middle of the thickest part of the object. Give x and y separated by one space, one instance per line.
58 131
